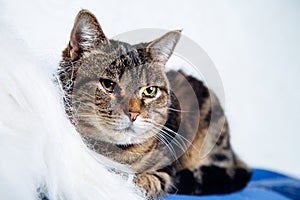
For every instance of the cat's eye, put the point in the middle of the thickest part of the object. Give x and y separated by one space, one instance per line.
108 85
150 92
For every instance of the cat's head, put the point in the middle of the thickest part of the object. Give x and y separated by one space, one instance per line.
117 92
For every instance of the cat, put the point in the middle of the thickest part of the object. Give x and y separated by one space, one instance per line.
126 107
36 161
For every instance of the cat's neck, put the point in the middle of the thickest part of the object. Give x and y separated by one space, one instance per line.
121 153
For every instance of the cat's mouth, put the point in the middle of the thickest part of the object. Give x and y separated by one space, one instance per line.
128 129
123 131
131 134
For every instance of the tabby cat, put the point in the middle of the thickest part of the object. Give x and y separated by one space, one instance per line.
169 128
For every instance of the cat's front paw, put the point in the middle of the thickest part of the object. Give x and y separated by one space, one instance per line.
155 184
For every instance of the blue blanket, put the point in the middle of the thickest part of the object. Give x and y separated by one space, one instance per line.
263 185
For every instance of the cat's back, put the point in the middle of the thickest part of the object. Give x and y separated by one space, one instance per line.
191 93
209 157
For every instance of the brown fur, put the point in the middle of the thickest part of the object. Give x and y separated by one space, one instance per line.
183 119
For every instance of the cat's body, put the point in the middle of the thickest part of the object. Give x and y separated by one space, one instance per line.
167 127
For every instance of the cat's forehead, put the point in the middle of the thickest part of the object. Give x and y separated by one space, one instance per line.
113 60
144 75
126 64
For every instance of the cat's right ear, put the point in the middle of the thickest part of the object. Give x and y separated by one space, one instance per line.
86 34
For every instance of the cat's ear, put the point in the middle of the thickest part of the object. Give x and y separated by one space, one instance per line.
86 34
162 48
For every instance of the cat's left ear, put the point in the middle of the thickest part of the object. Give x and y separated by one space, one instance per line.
86 34
162 48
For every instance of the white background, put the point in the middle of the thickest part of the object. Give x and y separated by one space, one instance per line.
255 46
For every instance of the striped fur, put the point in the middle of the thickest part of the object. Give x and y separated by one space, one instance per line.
178 140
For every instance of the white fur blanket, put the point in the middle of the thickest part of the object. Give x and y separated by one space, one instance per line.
39 148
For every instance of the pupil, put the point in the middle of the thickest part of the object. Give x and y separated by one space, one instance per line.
150 92
108 84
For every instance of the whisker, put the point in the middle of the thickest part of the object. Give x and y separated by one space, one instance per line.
97 118
165 134
83 92
176 142
181 137
182 111
170 148
181 146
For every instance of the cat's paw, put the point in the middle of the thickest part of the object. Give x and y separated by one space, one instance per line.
155 184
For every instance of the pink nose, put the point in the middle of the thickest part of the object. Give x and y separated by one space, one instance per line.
134 108
133 115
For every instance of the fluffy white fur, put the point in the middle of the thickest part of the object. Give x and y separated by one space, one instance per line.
38 145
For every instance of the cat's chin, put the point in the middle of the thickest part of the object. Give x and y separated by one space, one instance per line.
129 136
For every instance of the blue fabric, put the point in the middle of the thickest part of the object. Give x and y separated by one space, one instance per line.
263 185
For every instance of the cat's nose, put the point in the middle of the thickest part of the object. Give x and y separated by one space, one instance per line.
133 115
134 108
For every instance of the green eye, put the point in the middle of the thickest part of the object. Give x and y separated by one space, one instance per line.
108 85
150 92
